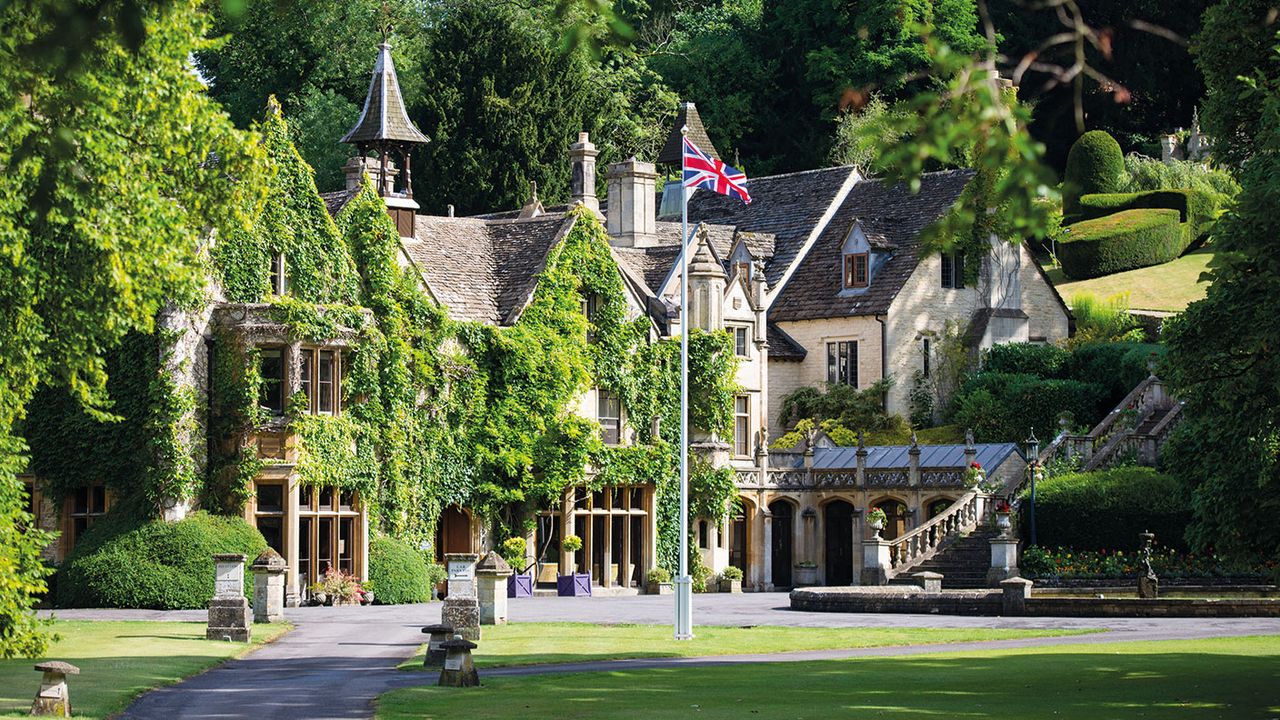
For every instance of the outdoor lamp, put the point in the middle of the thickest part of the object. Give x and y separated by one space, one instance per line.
1033 462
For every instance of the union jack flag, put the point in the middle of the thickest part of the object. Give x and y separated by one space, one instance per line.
703 171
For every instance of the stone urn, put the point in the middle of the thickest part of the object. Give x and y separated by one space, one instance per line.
806 574
1003 522
876 525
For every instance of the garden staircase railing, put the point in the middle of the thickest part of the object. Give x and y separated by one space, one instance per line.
1138 428
920 544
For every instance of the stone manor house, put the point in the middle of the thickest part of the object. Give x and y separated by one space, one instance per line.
820 281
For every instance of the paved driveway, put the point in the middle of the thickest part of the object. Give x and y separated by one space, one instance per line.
339 659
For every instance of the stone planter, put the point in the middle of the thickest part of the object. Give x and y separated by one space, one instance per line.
730 586
876 526
806 575
320 598
520 586
665 588
1003 522
368 598
574 585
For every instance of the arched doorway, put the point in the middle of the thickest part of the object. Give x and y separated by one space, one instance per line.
453 532
781 525
837 522
738 514
895 522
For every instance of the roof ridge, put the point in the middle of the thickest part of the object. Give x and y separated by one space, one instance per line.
812 171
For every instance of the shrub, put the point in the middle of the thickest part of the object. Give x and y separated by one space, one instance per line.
436 574
1005 407
397 572
658 575
571 543
1147 173
156 564
1105 320
1043 361
731 573
1095 164
513 551
1124 241
699 574
1196 209
1117 367
1105 510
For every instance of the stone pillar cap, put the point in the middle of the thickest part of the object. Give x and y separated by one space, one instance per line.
229 557
1016 581
438 628
928 575
493 563
469 557
57 666
458 644
269 560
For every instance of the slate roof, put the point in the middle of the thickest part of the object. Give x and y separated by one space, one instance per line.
672 151
782 346
893 217
336 200
655 263
787 207
989 455
484 270
384 116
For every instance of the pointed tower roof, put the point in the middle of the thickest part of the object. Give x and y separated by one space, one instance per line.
687 116
384 116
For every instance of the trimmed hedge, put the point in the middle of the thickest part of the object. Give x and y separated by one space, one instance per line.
1105 510
1043 361
1118 367
397 572
1196 209
1005 407
1095 164
1124 241
159 565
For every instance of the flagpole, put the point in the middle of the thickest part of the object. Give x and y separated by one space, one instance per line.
684 584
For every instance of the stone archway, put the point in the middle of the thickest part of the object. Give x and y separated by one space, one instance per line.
936 506
782 525
837 530
895 517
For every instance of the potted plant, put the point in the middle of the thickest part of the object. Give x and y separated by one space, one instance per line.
520 584
974 475
1003 522
366 594
437 575
876 520
339 588
731 580
318 595
574 584
658 581
806 573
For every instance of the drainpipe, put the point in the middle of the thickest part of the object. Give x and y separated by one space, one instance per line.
884 356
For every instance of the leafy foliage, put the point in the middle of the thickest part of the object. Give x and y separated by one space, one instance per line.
1006 408
122 562
1094 165
1150 174
1105 510
1103 320
853 408
108 146
1221 359
397 572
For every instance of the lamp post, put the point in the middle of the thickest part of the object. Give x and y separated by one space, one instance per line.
1033 467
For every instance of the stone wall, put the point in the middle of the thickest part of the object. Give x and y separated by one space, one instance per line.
1048 318
785 377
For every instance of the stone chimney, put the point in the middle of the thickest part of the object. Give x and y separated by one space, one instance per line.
632 220
582 173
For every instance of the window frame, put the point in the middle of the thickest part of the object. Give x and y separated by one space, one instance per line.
842 355
952 269
857 270
610 425
268 383
743 332
925 352
742 426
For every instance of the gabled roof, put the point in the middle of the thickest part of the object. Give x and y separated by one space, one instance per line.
782 346
895 217
484 270
657 263
384 116
672 152
788 207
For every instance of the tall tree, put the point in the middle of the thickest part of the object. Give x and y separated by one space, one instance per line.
1223 358
115 167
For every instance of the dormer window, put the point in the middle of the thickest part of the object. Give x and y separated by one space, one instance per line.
855 270
278 285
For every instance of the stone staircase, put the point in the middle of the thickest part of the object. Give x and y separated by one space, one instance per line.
963 563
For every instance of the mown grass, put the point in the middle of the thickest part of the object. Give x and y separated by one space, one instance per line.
1168 287
119 661
545 643
1170 680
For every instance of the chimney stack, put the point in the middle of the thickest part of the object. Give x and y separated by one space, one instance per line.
582 177
358 166
632 221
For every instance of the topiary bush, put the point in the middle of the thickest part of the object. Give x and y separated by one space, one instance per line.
1197 210
397 572
1095 164
1124 241
1105 510
1043 361
158 564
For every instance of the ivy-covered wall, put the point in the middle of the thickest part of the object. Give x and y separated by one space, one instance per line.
437 411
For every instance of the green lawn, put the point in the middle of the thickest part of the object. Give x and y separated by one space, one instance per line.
1169 287
542 643
120 660
1172 680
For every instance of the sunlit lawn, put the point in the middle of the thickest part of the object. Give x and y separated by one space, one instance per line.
537 643
120 660
1169 287
1171 680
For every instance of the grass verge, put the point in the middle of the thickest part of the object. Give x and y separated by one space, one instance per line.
120 660
1168 287
1172 680
549 643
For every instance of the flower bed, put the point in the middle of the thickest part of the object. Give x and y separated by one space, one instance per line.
1065 565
